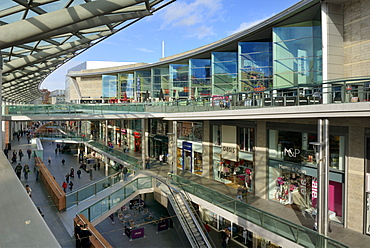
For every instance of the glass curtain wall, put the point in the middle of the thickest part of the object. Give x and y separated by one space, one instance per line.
297 54
200 74
160 81
179 79
225 72
255 66
109 86
143 79
127 86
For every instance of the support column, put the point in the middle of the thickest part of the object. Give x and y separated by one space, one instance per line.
207 151
144 140
260 161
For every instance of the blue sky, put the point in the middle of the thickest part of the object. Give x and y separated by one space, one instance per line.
184 25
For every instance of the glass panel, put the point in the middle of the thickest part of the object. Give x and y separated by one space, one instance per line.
71 200
103 184
224 68
99 208
144 182
297 55
86 192
117 197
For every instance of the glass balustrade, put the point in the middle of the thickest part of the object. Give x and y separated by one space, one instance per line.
115 198
293 232
347 90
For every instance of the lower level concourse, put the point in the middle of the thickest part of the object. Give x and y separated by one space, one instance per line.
274 160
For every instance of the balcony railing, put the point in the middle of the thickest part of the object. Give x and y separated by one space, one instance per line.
347 90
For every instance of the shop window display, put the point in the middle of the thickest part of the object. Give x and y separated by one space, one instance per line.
240 173
296 147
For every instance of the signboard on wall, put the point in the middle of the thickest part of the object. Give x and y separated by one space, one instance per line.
229 147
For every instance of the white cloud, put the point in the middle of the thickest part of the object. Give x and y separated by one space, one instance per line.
202 31
145 50
190 14
246 25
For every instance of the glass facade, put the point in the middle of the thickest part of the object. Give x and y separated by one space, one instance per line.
200 75
109 86
160 80
179 80
143 83
224 72
126 86
255 66
297 54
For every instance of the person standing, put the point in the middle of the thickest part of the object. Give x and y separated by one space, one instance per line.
67 177
29 152
84 236
78 227
79 173
26 170
28 190
37 171
70 186
239 193
20 154
91 174
64 186
18 170
98 165
125 172
6 152
147 163
72 173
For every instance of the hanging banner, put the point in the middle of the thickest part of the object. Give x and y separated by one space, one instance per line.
229 144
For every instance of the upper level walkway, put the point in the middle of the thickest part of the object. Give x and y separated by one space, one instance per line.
347 97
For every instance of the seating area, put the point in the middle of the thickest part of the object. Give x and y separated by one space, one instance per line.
135 217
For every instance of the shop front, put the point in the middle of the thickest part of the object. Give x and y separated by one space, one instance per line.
293 171
158 145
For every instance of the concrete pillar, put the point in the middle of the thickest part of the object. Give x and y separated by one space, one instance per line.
355 177
207 151
260 160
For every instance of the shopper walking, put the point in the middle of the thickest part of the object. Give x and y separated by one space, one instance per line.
6 151
63 161
70 186
79 173
239 193
161 158
18 170
125 172
64 186
28 190
147 163
72 173
67 177
26 170
49 160
84 236
29 152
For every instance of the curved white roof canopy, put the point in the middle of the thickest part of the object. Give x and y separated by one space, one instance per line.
38 36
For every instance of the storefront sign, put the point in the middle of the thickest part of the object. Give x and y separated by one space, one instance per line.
292 168
187 146
291 152
137 233
162 225
229 147
314 192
